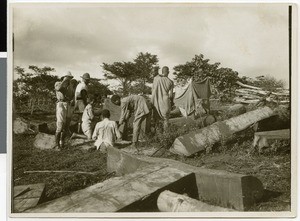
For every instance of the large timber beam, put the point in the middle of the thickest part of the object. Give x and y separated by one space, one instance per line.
204 138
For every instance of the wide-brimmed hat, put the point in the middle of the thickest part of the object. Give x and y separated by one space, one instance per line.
86 76
68 75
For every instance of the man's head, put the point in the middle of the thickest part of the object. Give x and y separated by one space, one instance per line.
105 113
165 71
73 82
86 78
91 99
116 99
67 77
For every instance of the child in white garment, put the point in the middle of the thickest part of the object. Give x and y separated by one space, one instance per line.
87 117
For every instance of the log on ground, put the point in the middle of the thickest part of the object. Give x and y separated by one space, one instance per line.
204 138
172 202
222 188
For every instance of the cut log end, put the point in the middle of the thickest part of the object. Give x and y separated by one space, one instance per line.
173 202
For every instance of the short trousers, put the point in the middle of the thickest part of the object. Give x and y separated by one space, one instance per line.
61 115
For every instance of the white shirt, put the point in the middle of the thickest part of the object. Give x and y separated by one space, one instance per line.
106 131
81 86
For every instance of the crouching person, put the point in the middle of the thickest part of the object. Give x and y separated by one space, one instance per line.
106 132
87 118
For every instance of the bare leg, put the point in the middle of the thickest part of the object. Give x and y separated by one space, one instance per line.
57 139
75 135
78 127
62 137
166 124
87 135
68 121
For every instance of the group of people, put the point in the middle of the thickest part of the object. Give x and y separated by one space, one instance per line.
72 98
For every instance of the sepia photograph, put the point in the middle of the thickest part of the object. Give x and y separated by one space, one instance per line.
151 109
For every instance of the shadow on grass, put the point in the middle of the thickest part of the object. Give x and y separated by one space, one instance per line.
269 194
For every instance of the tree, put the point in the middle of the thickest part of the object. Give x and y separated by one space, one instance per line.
199 68
140 71
140 88
269 83
98 89
33 85
124 72
145 64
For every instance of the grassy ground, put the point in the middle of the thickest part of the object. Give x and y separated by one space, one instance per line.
28 158
272 167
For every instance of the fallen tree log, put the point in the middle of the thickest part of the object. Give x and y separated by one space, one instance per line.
204 138
259 90
251 91
225 189
248 86
261 138
173 202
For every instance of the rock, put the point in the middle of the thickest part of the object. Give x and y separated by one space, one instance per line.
44 141
21 126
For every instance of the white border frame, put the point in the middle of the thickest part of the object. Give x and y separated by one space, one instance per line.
294 103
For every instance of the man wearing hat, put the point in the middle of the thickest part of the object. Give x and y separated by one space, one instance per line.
61 89
162 97
81 96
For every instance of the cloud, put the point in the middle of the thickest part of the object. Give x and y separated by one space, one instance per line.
249 38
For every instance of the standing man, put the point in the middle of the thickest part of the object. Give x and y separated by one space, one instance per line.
162 97
61 88
137 105
71 93
81 94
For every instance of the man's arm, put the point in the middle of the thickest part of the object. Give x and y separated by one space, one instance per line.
124 112
60 85
117 131
83 96
95 133
171 94
91 113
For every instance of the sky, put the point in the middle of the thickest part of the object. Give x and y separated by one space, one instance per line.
252 39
